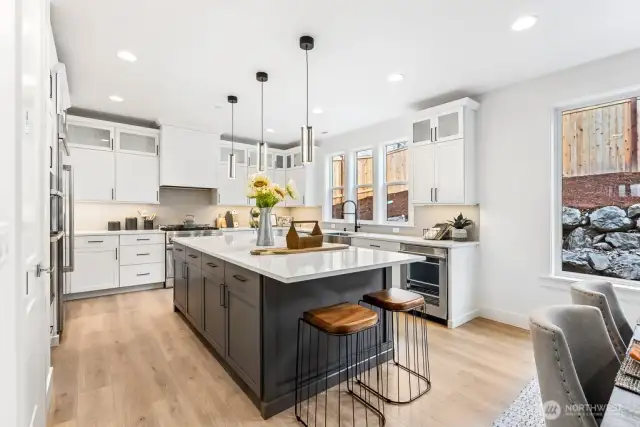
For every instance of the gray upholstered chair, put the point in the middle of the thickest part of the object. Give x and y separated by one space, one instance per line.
600 294
575 360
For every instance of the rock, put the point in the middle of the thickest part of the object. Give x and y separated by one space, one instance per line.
603 246
599 238
598 262
571 217
610 218
625 241
578 239
632 212
626 266
576 261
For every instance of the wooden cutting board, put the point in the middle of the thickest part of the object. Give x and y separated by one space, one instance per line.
287 251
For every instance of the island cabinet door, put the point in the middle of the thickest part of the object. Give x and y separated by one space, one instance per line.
180 284
195 294
243 324
215 316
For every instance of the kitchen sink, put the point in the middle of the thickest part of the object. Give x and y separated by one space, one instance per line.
342 238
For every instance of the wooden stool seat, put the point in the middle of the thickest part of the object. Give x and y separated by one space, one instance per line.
394 299
341 319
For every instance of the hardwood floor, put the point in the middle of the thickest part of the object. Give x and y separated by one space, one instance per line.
129 360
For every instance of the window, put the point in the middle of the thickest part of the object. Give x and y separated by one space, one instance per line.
396 181
364 184
337 186
600 189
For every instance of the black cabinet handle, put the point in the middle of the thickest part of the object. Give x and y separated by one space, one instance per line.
145 254
143 274
177 249
192 256
185 275
240 278
212 265
116 253
95 241
375 246
221 294
142 240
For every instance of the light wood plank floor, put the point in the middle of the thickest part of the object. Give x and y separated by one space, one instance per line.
129 360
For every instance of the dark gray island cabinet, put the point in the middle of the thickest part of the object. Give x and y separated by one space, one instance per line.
250 319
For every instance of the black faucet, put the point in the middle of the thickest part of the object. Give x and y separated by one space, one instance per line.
354 213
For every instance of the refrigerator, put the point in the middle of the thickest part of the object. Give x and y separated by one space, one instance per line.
61 232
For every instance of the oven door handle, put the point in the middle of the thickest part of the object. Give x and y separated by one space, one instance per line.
442 257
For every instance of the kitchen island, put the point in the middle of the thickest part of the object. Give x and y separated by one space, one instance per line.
246 307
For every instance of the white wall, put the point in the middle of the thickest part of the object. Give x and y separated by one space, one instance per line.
174 205
514 162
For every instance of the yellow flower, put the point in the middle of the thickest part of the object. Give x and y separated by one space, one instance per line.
291 189
279 192
259 182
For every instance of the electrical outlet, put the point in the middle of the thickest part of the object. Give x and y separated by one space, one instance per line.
395 230
333 226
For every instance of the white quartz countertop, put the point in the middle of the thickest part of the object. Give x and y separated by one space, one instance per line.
114 233
234 248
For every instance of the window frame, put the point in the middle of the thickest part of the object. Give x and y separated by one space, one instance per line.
355 186
330 182
385 186
555 253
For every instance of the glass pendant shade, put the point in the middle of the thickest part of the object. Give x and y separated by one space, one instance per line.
306 144
232 166
262 157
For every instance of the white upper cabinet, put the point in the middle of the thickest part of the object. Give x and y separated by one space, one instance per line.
137 141
88 133
94 172
233 192
239 150
136 178
299 177
188 158
443 154
279 161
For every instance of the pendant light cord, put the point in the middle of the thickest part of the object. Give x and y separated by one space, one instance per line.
306 54
231 128
262 111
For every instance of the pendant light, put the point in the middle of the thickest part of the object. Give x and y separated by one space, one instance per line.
262 77
232 156
306 140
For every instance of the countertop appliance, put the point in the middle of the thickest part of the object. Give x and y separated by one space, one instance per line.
428 277
179 230
61 232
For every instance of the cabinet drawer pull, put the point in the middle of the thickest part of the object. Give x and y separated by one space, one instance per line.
375 246
177 249
221 295
143 274
95 241
145 254
212 265
142 240
240 278
192 256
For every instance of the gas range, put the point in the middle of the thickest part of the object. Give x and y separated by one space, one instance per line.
179 230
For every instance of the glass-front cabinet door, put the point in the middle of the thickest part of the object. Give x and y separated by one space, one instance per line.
89 135
449 125
297 160
423 130
241 154
137 142
279 161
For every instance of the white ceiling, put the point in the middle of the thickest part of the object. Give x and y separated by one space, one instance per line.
193 53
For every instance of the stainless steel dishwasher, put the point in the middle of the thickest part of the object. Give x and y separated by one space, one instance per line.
428 277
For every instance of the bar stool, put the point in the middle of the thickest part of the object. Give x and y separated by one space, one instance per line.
322 366
409 361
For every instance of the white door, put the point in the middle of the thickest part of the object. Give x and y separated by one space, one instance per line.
137 178
95 270
94 174
232 192
24 216
423 176
449 172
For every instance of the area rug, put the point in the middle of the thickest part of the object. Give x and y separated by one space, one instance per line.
526 410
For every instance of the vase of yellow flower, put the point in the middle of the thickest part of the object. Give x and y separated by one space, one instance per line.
267 195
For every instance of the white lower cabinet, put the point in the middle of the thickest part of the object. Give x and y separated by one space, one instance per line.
95 269
141 274
381 246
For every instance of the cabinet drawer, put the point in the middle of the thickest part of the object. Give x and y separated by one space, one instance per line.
141 239
213 266
143 254
376 244
179 252
242 282
131 275
96 242
194 257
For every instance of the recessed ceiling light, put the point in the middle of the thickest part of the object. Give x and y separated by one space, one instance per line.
395 77
116 98
125 55
524 23
317 110
269 130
